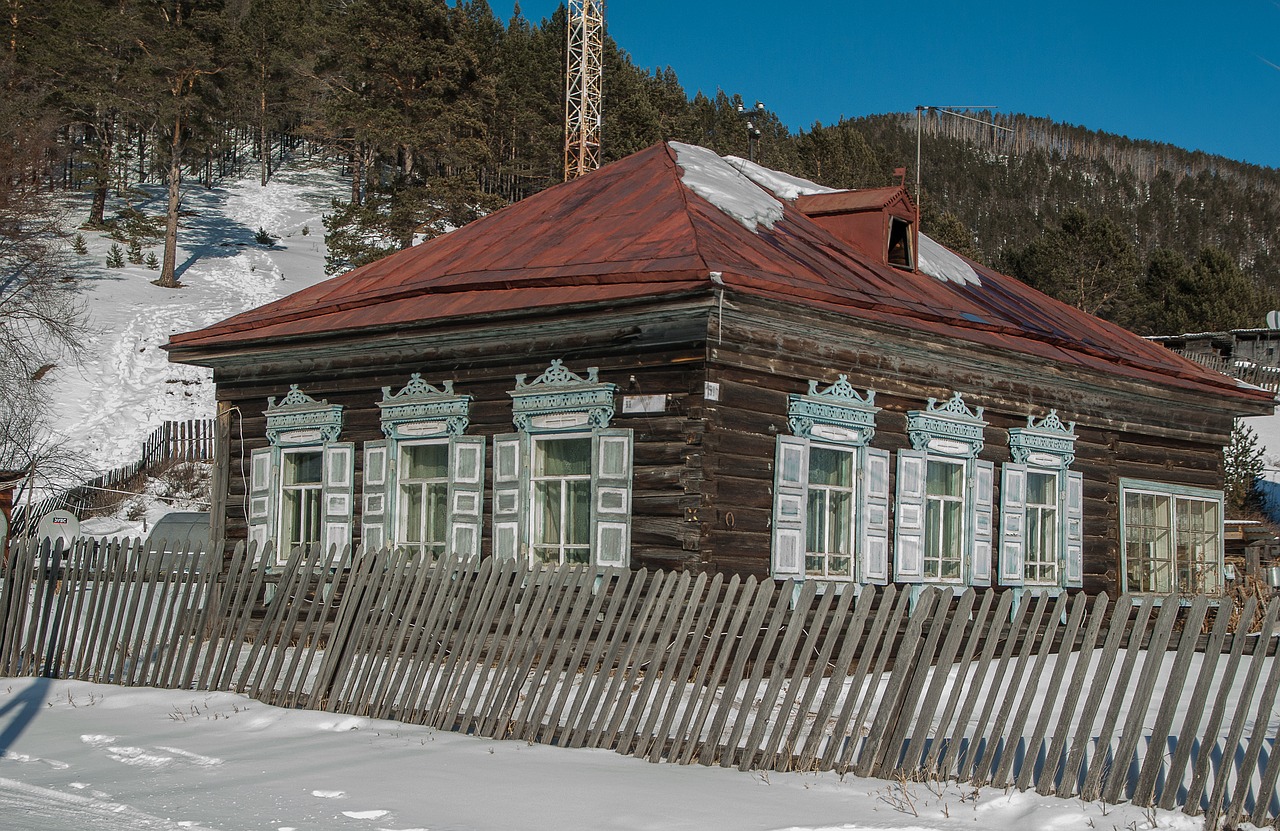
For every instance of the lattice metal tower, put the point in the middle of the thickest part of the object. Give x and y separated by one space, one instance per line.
584 87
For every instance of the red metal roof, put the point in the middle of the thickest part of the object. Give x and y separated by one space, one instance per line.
849 201
632 230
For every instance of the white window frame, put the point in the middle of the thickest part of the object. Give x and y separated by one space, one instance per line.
950 433
400 536
306 492
842 419
1174 494
1032 564
933 531
560 404
538 517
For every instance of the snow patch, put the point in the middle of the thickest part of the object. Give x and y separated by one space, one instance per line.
365 814
945 264
782 185
329 794
721 184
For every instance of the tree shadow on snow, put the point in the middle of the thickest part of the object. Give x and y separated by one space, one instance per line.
18 713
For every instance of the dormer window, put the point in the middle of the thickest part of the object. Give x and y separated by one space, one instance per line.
900 254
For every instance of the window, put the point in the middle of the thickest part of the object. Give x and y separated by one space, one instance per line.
562 500
1172 538
899 253
300 497
831 491
1041 508
423 509
300 485
943 532
562 484
422 484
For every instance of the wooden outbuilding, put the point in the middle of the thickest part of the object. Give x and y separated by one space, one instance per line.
689 362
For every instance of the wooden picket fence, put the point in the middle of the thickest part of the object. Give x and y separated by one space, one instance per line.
1142 700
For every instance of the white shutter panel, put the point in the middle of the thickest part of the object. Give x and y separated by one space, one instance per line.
339 495
1075 530
984 474
874 517
790 495
509 460
611 497
908 543
375 513
466 481
263 493
1013 524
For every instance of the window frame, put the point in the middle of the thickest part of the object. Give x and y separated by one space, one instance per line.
537 514
309 492
1043 447
400 518
1174 493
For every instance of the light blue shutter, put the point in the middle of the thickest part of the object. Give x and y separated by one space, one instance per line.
984 474
790 495
375 513
611 498
873 514
263 494
510 456
1013 524
339 496
466 480
908 545
1075 530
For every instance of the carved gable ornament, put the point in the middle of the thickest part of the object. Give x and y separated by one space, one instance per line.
1049 444
560 399
421 410
300 419
948 430
838 413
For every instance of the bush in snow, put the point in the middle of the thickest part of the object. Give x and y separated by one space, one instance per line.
115 257
152 262
135 252
264 238
79 246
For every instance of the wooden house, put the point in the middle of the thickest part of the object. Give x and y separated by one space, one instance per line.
688 362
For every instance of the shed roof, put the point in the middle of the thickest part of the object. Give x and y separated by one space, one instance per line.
636 229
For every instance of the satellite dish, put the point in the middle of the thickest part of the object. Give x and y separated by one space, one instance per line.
1273 320
58 525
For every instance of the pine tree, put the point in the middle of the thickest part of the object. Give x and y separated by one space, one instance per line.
135 252
79 246
152 262
115 257
1242 463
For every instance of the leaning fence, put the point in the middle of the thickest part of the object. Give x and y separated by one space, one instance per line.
1147 700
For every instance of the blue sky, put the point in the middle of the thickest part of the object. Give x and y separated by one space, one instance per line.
1202 75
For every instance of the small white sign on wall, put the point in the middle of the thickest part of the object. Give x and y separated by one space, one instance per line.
644 403
711 390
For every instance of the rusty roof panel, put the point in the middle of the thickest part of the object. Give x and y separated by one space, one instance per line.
632 230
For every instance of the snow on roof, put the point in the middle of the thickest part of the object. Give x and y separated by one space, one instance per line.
721 184
944 264
782 185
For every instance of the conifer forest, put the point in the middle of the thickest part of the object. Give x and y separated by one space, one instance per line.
440 112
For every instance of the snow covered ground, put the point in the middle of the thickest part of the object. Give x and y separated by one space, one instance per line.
76 755
125 387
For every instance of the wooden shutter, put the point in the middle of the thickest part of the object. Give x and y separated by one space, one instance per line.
510 457
1013 524
1074 533
263 495
375 514
790 495
466 498
339 494
984 474
873 515
908 541
611 497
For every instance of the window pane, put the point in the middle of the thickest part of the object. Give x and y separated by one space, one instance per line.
563 457
411 507
830 467
546 497
1148 536
425 461
303 468
1043 529
944 479
578 522
830 513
